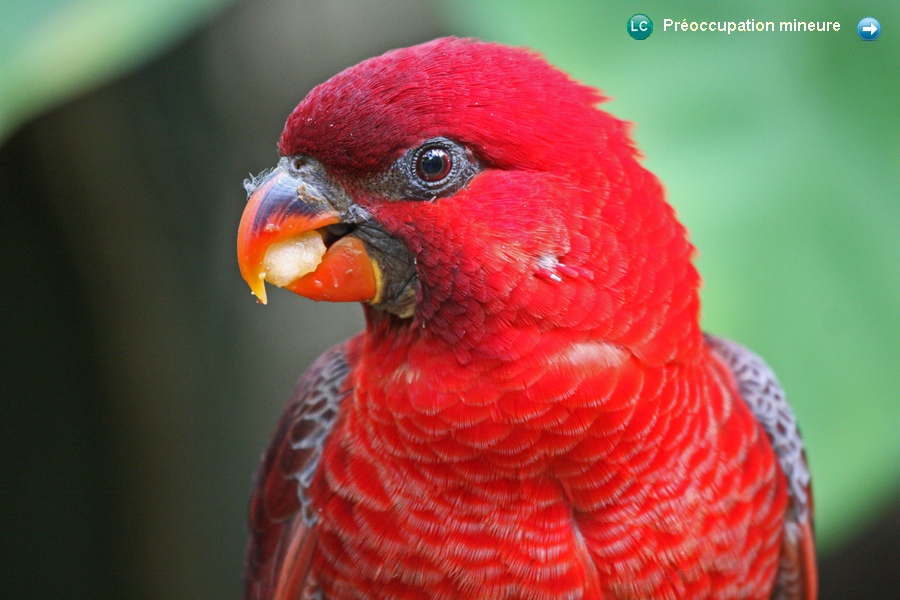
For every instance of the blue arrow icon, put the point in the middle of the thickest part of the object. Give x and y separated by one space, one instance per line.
868 29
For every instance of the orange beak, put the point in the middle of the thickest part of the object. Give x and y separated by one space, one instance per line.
283 239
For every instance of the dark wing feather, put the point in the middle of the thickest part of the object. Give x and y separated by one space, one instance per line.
282 522
758 386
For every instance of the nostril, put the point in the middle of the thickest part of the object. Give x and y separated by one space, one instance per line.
294 164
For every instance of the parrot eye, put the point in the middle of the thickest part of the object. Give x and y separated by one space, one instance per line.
433 164
439 167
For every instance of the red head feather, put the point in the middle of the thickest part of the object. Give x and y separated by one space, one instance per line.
564 229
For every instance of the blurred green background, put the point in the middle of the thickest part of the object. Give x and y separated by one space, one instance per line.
142 381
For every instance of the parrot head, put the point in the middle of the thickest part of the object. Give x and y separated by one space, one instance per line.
472 189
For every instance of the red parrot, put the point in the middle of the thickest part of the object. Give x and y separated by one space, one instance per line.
532 410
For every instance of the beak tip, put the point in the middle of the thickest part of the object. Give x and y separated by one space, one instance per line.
258 289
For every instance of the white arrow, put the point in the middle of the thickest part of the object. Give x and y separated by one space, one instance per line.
871 29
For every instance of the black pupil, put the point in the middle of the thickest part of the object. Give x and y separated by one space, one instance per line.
434 164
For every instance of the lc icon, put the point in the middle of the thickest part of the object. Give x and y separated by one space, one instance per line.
640 27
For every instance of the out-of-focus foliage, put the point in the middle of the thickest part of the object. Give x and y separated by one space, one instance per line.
52 49
780 153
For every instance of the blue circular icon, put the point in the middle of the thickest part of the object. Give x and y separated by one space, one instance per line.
640 27
868 29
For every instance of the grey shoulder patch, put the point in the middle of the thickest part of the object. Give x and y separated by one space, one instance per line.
314 409
760 389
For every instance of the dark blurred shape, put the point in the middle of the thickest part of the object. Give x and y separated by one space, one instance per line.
868 565
61 522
